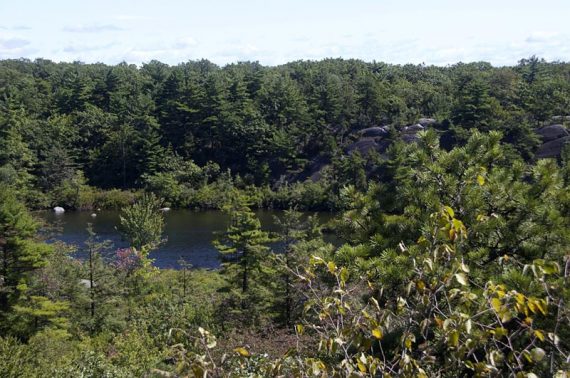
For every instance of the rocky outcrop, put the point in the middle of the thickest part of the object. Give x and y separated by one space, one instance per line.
553 148
375 132
365 145
426 121
372 139
552 132
554 138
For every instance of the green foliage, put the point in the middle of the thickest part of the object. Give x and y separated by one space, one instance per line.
245 253
20 254
163 127
455 260
142 223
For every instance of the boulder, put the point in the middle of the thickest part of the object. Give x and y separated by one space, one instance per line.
410 138
59 210
553 148
375 132
426 121
552 132
165 209
412 129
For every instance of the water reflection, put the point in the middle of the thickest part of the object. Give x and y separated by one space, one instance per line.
189 234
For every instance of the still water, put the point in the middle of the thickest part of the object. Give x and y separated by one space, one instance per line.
189 234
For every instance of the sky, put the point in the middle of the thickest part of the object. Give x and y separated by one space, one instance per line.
439 32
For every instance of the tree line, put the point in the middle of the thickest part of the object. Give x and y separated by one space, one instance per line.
69 127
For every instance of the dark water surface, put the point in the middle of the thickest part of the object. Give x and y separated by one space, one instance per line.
189 234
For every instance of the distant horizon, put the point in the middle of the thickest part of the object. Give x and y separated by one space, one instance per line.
273 32
139 65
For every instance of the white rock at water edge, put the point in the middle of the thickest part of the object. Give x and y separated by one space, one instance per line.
59 210
93 215
165 209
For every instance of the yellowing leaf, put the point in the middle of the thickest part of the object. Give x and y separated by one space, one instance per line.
344 274
481 180
539 334
496 303
242 352
541 305
377 333
331 265
500 332
449 211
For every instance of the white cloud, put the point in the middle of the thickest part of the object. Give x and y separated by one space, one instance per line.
78 48
13 43
131 17
542 36
91 28
184 43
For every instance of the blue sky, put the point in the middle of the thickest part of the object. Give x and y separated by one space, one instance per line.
273 32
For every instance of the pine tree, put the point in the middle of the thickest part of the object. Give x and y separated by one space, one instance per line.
244 253
20 254
294 229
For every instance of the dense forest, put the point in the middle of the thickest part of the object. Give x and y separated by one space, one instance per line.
451 187
188 132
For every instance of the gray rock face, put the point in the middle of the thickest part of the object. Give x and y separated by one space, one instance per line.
552 132
553 148
375 132
426 121
412 129
365 145
410 138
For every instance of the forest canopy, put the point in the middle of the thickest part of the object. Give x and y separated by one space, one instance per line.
175 129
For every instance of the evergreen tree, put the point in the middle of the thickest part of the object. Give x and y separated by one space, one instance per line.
20 254
142 223
244 255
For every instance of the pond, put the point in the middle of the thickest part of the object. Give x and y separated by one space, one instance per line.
189 234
